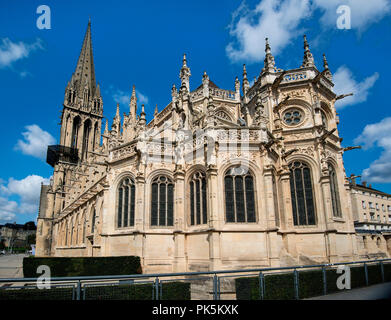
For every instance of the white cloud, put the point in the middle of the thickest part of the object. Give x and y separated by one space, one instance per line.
280 21
36 142
345 83
277 20
11 52
27 190
377 134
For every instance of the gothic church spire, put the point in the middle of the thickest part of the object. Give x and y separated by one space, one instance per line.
84 75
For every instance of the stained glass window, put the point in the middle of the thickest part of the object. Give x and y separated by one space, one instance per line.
126 203
198 205
302 194
293 117
162 202
239 196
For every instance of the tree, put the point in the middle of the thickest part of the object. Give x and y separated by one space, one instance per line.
31 239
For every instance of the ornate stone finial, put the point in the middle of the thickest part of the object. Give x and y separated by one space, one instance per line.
133 104
185 74
245 83
308 60
269 63
117 113
142 120
156 111
327 72
106 128
237 84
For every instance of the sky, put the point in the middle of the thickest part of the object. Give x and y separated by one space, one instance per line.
142 44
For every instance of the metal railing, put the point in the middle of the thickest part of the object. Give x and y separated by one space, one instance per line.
100 287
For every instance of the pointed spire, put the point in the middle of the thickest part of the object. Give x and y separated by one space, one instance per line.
84 74
185 74
308 60
117 116
156 111
269 64
327 72
106 128
245 83
133 105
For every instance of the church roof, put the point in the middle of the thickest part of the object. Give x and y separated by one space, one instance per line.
211 84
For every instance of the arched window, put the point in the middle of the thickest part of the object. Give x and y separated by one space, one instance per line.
302 194
162 202
334 193
198 207
126 203
239 196
75 132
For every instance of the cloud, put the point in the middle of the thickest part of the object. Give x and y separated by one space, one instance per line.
11 52
345 83
377 135
281 22
36 142
26 190
277 20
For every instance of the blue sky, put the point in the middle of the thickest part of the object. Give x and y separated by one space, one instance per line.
142 43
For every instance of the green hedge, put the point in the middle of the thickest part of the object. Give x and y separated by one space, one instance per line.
281 286
170 291
83 266
36 294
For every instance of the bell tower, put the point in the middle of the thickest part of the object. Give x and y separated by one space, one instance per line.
82 113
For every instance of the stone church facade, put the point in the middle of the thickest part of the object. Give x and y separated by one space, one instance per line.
218 179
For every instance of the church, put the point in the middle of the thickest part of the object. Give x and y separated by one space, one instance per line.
251 176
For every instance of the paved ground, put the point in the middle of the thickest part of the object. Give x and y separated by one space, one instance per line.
375 292
11 265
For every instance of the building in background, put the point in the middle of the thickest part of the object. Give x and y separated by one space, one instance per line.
372 219
219 179
15 235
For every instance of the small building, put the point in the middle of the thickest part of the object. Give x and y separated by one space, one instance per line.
372 220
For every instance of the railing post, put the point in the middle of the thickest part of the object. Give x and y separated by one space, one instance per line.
215 287
382 271
261 286
78 290
324 280
366 274
296 281
156 288
218 288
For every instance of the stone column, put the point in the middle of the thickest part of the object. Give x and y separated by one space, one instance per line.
179 261
215 217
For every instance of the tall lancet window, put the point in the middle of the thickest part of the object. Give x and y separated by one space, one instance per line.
75 132
198 206
334 193
86 138
302 194
126 199
162 202
239 195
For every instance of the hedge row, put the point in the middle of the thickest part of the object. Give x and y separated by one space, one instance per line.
83 266
170 291
281 286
